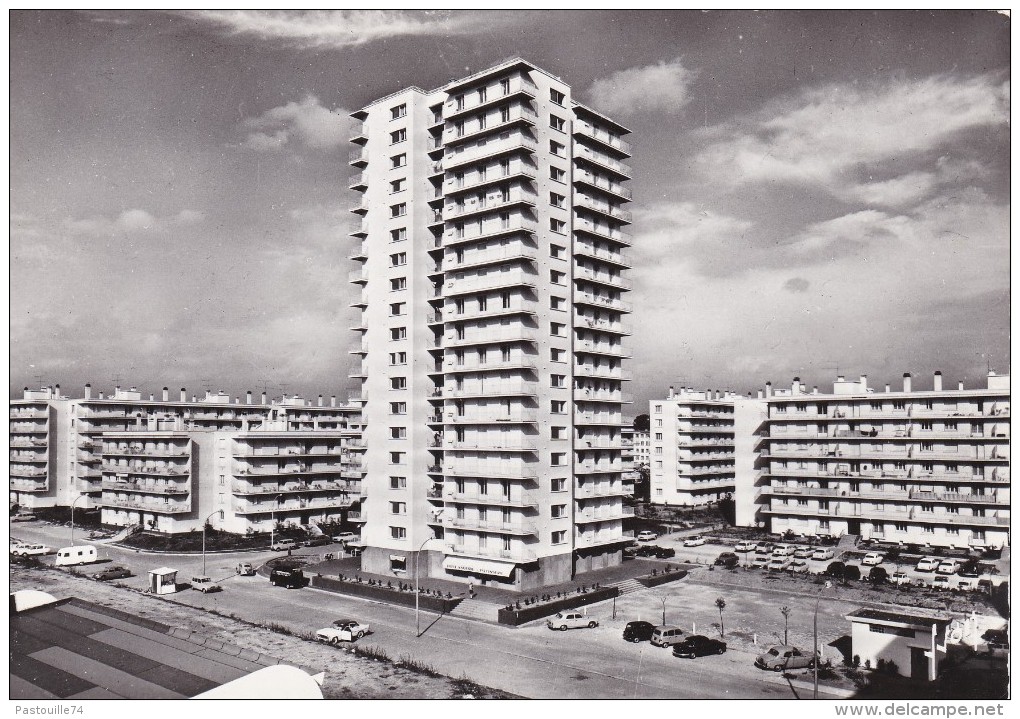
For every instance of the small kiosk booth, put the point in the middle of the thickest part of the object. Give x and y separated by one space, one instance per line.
163 580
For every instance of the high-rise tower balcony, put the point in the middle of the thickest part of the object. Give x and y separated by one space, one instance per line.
603 278
603 161
609 142
515 224
514 116
358 277
521 527
515 417
601 231
490 150
506 388
358 157
622 259
604 208
517 197
360 134
358 181
515 251
497 281
603 184
517 172
492 499
601 301
517 87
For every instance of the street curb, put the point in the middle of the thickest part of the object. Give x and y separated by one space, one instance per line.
808 686
136 550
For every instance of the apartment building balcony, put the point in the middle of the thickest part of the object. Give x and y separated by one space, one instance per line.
342 487
603 161
517 116
619 257
28 413
516 224
517 172
603 184
358 157
173 488
24 428
601 348
606 326
514 335
602 302
360 254
362 230
25 485
604 232
515 447
243 507
22 471
497 281
436 493
29 458
360 134
492 499
520 253
154 507
454 468
612 142
993 497
175 471
584 540
519 528
517 363
603 208
87 485
586 395
512 555
589 467
463 155
358 182
602 372
518 88
603 278
594 490
358 277
356 517
706 471
146 451
587 418
707 429
39 443
500 389
614 514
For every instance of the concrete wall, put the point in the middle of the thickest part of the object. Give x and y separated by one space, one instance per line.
872 646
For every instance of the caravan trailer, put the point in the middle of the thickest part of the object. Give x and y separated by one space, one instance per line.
71 556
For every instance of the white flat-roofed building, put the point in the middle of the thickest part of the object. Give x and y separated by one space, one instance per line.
492 264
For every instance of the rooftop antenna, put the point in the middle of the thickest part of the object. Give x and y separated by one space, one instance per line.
206 384
988 360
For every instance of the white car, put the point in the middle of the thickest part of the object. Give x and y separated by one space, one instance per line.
783 550
205 585
778 563
570 620
282 545
948 566
927 564
345 537
872 559
647 536
30 550
901 579
694 541
745 546
343 630
824 553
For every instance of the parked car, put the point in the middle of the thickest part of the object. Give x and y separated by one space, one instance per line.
872 559
778 563
697 645
941 582
901 579
763 549
282 545
318 540
948 566
30 550
631 552
727 559
664 552
647 536
695 540
646 550
570 620
782 658
745 546
968 584
996 642
928 564
783 550
666 635
343 630
116 572
803 552
823 553
799 565
638 631
345 537
23 518
760 562
205 585
245 569
290 578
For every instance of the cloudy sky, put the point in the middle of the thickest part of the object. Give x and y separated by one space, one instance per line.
812 190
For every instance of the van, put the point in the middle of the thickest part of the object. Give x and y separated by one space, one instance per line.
289 578
71 556
666 635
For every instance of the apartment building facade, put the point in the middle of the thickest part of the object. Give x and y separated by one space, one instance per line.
166 465
492 261
921 467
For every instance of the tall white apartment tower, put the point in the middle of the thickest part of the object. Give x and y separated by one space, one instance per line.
492 270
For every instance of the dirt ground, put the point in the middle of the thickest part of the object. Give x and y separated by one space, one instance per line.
348 676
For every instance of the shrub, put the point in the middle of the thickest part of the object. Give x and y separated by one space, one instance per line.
878 576
836 570
857 660
851 573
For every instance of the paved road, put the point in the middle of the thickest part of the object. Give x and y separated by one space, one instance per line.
531 660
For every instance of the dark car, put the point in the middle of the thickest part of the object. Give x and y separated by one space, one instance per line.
646 550
638 631
316 541
697 645
727 559
630 552
111 573
289 578
664 552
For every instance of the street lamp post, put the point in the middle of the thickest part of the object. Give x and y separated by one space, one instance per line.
80 496
205 522
417 595
272 521
818 601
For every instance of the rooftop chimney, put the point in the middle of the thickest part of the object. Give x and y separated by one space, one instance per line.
937 382
959 386
761 395
88 391
864 383
906 381
670 395
166 394
151 397
101 396
116 390
56 391
332 401
888 388
814 390
320 400
768 390
247 397
795 387
184 394
263 398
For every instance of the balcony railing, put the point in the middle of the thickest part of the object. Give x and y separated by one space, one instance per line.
519 527
603 302
599 135
603 208
154 507
511 418
604 278
454 468
499 499
471 155
145 487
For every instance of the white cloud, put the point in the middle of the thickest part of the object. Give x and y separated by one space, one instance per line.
135 220
306 121
335 28
652 88
833 137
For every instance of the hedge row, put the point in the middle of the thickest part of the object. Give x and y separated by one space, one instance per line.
514 617
385 594
654 581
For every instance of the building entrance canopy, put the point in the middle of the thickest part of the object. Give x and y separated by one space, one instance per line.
478 566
